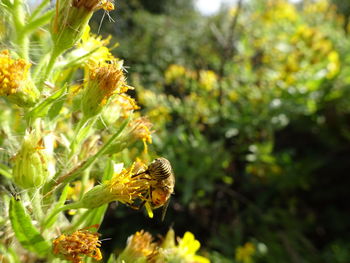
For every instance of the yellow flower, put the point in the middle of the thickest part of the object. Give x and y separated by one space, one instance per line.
208 79
140 129
15 82
278 10
188 247
333 65
122 187
93 47
121 106
178 74
104 81
245 253
140 248
185 251
80 243
76 188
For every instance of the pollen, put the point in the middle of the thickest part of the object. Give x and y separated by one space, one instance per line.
12 73
128 189
78 244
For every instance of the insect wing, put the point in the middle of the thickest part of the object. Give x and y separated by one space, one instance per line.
165 208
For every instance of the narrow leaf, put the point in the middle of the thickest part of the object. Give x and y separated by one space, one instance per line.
25 232
43 107
60 203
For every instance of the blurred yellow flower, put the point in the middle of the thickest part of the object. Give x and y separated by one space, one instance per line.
208 79
94 47
12 73
15 82
174 72
185 251
333 65
278 10
159 115
245 253
140 129
140 248
76 189
188 247
316 7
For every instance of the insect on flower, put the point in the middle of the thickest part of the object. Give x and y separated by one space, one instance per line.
162 182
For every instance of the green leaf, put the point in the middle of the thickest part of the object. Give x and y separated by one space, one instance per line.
96 216
109 171
42 109
25 232
56 108
93 158
5 171
111 259
60 203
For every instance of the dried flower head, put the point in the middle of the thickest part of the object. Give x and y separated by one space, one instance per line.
15 82
104 81
80 243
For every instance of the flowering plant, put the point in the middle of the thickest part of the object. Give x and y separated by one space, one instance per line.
62 135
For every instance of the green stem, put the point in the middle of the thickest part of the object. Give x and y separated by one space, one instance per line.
81 132
66 178
70 176
35 198
56 211
22 38
84 182
22 43
49 67
38 10
39 22
76 224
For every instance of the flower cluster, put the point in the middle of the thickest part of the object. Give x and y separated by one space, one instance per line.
141 248
80 243
15 82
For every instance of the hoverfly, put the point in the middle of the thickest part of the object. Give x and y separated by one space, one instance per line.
162 182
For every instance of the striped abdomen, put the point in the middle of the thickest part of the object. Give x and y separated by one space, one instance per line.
160 169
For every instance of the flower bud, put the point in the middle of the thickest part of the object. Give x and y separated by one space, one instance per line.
32 167
15 81
70 20
104 81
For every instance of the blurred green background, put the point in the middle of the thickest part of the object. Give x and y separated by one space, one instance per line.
252 107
